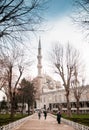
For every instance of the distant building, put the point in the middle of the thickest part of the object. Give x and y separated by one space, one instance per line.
50 93
43 83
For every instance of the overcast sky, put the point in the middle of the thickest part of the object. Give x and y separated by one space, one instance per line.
59 27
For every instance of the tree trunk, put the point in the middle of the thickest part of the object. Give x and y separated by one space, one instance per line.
22 105
68 104
22 108
12 105
77 106
12 109
28 108
32 108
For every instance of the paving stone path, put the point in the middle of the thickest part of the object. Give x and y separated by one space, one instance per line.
33 123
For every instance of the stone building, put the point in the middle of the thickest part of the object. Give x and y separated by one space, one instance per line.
50 93
43 83
57 98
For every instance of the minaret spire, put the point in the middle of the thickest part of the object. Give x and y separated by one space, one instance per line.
39 57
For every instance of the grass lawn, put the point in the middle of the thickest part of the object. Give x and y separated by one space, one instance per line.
5 118
82 119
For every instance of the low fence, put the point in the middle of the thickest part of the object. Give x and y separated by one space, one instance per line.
75 125
14 124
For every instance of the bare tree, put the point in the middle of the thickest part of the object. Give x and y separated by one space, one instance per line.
77 85
12 62
81 14
64 59
3 79
17 16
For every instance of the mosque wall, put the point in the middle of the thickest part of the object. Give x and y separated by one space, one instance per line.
58 98
50 93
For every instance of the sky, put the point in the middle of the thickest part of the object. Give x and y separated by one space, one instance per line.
57 8
58 27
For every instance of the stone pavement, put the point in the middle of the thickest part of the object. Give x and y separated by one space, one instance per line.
33 123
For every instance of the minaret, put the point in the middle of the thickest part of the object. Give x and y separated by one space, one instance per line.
39 57
39 77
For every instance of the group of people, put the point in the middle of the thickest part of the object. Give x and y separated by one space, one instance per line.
45 114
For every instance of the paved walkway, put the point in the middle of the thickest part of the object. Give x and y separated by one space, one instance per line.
49 124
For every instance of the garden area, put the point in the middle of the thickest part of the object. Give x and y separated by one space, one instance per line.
81 118
5 118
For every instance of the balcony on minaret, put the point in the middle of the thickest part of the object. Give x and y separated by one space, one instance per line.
39 57
39 66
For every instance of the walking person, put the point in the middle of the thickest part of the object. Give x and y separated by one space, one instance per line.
45 114
58 117
39 114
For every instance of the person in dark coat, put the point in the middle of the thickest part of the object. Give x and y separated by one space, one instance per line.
58 117
45 114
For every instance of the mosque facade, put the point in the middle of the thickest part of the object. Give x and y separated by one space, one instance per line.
50 93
